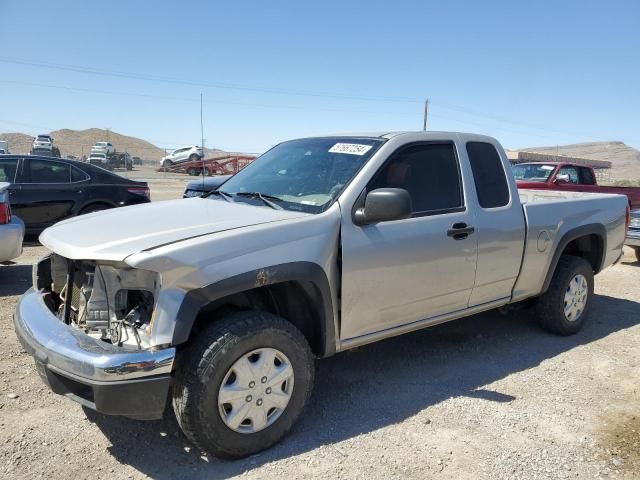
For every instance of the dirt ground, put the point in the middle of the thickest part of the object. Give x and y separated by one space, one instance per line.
490 396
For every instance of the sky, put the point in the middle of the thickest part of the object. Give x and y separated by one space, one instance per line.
528 73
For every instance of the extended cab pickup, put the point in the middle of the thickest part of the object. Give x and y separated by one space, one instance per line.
569 177
320 245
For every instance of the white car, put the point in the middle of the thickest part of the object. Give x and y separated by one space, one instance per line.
98 158
103 147
182 154
43 142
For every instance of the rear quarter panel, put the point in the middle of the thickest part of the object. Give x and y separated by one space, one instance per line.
552 214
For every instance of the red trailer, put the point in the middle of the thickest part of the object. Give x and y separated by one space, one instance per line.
227 165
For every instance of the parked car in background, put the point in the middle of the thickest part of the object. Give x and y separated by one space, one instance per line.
11 227
4 147
182 154
633 235
569 177
43 142
197 188
98 158
137 161
45 190
103 147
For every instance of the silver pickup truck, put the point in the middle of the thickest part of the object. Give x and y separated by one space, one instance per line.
322 244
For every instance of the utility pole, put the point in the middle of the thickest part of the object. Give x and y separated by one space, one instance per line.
202 138
426 112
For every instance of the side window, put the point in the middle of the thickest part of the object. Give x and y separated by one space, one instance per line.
571 172
8 169
43 171
78 175
488 175
586 176
429 172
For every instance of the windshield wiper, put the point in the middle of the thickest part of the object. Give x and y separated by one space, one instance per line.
220 193
266 199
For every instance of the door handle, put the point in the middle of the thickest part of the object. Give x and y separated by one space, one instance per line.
460 231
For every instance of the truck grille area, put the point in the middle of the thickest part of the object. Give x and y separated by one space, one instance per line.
111 302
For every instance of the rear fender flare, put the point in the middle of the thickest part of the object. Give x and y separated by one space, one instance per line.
584 230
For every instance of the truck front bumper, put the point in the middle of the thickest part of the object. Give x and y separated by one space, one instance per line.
101 376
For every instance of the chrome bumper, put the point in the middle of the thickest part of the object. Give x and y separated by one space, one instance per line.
90 371
633 239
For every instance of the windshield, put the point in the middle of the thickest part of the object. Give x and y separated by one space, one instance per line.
98 155
101 144
533 172
304 175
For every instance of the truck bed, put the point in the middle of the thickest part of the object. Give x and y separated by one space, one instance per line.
550 214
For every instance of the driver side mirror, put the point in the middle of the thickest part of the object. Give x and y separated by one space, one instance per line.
384 205
562 179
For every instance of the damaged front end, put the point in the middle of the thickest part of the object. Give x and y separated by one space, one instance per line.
107 300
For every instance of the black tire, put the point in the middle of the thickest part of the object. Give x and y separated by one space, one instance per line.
201 368
98 207
192 172
550 307
194 157
637 252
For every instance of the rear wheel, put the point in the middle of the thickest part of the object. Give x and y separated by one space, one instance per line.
192 171
564 306
243 384
637 251
193 157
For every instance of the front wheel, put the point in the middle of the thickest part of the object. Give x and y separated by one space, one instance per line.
242 384
193 157
563 308
192 172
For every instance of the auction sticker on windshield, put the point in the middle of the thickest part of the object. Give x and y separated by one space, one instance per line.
350 148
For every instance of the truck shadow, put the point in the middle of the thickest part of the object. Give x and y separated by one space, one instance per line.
395 379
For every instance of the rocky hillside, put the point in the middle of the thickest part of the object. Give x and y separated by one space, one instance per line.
625 159
79 142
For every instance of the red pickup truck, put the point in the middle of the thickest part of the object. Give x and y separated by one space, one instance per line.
567 176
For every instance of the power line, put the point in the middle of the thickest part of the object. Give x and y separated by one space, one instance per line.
233 86
194 99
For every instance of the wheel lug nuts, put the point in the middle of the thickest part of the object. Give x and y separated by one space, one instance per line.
268 390
249 398
259 402
263 379
252 384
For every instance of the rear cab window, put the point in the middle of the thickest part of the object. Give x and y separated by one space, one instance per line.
488 175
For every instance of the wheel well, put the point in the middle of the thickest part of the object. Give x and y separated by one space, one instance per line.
590 247
95 204
295 301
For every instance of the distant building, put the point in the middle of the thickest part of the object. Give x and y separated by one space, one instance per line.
523 157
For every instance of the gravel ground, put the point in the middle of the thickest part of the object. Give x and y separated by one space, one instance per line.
490 396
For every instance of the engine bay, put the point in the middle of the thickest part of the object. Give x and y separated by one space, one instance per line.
110 302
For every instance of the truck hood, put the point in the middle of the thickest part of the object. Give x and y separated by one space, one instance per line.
117 233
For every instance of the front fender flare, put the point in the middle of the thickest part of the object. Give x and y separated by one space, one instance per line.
196 299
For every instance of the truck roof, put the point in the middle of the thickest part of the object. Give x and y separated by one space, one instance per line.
561 164
429 135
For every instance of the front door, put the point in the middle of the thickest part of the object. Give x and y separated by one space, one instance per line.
398 272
